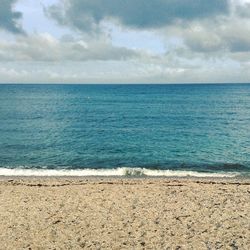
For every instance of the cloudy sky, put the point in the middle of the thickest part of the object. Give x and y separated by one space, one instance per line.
124 41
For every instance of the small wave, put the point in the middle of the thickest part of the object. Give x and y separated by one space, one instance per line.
126 172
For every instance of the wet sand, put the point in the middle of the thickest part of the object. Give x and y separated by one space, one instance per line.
96 213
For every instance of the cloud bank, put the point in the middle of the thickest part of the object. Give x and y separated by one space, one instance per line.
86 15
45 48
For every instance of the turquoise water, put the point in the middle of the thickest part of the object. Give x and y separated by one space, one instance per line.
201 128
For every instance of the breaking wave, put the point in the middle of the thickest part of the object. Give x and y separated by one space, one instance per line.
119 172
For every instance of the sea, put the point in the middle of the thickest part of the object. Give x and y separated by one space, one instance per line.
132 130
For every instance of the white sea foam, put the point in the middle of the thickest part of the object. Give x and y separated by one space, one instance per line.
133 172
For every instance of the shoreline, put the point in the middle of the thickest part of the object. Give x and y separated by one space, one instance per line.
233 180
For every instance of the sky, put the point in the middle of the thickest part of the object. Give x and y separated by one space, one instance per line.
124 41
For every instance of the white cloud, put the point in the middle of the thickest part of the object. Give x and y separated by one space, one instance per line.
44 47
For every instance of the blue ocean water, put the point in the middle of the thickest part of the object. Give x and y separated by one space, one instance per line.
199 128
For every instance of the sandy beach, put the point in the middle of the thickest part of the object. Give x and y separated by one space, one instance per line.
106 213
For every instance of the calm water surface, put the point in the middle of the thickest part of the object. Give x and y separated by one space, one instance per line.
204 128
